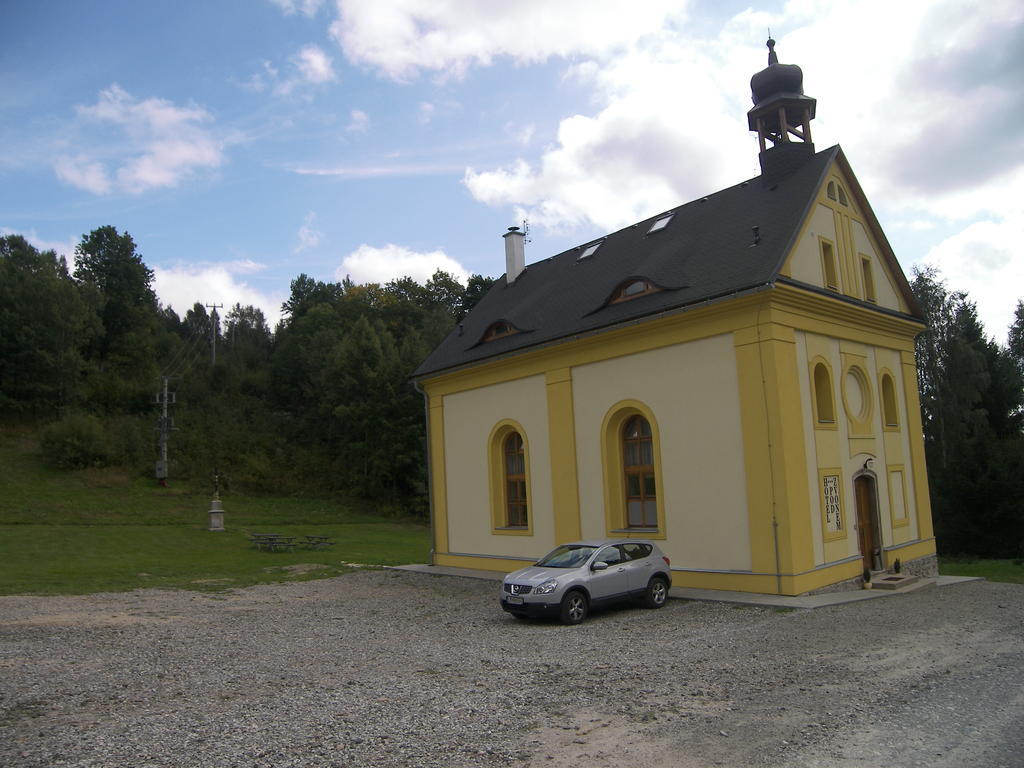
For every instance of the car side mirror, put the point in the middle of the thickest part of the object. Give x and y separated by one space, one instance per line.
599 566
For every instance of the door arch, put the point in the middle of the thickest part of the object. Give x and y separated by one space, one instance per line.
865 491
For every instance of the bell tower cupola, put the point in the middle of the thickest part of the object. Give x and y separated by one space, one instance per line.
781 115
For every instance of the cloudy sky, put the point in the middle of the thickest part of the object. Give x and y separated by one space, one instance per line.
243 142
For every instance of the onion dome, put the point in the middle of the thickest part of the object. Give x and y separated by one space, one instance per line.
776 79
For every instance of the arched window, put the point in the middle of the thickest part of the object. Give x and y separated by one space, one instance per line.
638 467
890 413
631 464
835 191
824 403
508 467
515 481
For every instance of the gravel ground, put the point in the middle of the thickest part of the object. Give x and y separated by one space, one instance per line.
391 668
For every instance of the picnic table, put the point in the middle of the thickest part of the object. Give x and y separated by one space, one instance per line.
317 542
273 542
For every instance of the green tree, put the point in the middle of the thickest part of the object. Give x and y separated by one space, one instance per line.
299 370
247 335
446 292
107 262
44 327
476 287
197 321
378 414
971 402
1015 338
307 293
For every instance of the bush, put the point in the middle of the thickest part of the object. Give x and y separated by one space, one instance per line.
75 442
131 442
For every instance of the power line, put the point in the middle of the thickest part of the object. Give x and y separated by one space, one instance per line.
197 351
187 349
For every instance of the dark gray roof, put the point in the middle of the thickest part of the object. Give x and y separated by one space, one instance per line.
705 253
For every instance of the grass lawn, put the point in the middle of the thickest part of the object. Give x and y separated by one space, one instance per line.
77 559
104 530
1011 571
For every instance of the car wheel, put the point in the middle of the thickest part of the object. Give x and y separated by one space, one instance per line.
574 607
657 593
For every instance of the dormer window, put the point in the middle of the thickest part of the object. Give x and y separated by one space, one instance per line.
499 330
590 250
632 289
660 224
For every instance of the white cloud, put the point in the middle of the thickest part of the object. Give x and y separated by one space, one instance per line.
402 37
258 81
359 122
381 171
157 145
426 112
243 266
83 172
368 264
916 225
183 285
309 238
984 261
314 65
522 134
310 66
307 8
644 151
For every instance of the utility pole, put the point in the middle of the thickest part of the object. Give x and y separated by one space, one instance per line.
165 425
214 322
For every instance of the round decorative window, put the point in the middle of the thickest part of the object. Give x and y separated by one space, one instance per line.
856 395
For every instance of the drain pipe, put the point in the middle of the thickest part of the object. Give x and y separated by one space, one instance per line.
430 470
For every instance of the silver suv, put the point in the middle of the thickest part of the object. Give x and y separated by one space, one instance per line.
574 578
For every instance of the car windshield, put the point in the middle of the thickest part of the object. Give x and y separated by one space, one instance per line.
567 556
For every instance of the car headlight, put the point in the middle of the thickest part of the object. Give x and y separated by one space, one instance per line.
547 587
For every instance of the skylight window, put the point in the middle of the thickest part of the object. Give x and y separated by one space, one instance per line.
590 250
660 224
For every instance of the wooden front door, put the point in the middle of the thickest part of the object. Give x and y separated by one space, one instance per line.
864 490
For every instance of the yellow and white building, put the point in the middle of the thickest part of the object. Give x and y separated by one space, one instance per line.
733 378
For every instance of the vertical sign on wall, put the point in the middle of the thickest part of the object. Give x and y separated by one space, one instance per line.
833 508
